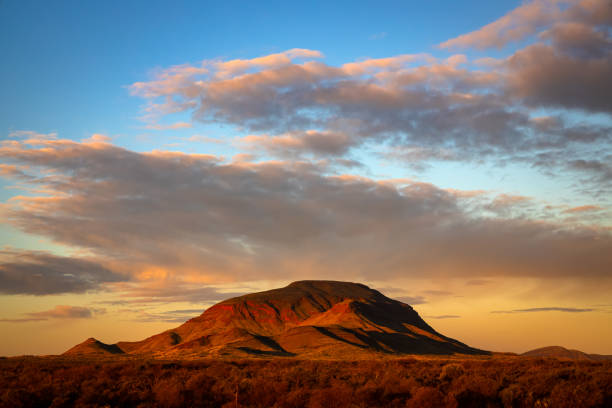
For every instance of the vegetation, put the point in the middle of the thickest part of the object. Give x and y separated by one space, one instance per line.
435 382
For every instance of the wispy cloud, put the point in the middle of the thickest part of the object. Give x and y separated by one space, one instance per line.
546 309
58 312
378 36
171 126
531 18
170 316
67 312
23 320
583 208
205 139
411 300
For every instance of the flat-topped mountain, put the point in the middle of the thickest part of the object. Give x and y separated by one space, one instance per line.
304 319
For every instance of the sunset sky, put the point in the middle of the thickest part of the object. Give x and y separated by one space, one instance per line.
157 157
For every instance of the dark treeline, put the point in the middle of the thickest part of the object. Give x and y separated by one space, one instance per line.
503 382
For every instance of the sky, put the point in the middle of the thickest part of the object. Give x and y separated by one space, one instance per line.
157 158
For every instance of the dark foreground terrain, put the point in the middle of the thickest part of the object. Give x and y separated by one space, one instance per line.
423 382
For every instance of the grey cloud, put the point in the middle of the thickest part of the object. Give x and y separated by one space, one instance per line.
297 143
192 217
591 172
40 273
67 312
172 291
58 312
541 75
439 111
579 40
601 170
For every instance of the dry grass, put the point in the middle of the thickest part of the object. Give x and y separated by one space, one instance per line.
408 382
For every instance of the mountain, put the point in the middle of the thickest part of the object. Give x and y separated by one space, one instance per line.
563 353
92 346
305 319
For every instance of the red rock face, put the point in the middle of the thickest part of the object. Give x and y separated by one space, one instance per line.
307 319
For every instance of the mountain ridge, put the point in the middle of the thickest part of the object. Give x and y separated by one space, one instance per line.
564 353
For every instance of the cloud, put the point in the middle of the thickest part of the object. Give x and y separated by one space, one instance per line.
171 290
30 134
41 273
98 138
172 222
411 300
65 312
508 203
171 316
415 109
176 125
583 208
22 320
601 170
378 36
294 144
205 139
58 312
570 61
438 292
546 309
542 75
14 172
531 17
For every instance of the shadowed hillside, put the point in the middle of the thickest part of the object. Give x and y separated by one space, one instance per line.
92 346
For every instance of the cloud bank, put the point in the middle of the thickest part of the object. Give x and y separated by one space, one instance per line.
167 219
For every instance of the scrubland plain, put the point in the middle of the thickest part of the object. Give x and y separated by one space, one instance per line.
498 381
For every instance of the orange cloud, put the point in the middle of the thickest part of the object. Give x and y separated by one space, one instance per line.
583 208
296 143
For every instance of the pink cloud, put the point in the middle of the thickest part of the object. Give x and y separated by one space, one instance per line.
530 18
583 208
